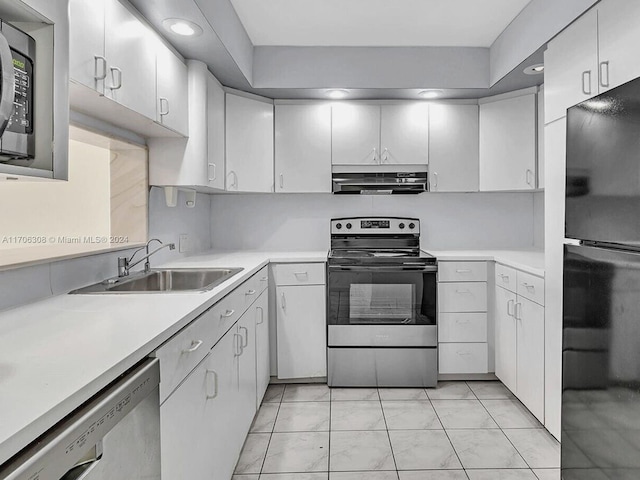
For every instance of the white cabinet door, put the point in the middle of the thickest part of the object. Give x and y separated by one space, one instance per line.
131 76
215 133
246 362
301 327
453 148
355 133
404 134
618 36
86 43
263 374
249 144
508 144
505 326
571 66
530 358
172 99
303 148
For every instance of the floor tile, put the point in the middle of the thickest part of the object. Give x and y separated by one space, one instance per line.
295 476
273 394
463 414
360 451
423 449
547 473
485 449
434 475
363 476
410 415
538 448
297 452
253 452
402 394
303 417
245 477
265 418
450 391
490 390
307 393
501 474
357 416
511 414
342 394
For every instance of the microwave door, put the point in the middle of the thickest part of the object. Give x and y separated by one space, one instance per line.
7 94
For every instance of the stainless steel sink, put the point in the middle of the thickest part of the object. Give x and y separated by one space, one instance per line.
163 281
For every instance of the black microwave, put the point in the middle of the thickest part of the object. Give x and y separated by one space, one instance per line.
17 63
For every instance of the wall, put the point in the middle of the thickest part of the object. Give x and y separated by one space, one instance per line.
301 222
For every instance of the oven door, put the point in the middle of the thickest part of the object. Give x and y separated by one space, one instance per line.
383 306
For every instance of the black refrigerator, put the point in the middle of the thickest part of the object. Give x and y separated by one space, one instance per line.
601 289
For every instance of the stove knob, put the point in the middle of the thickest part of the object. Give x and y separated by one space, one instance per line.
349 225
412 225
401 226
338 226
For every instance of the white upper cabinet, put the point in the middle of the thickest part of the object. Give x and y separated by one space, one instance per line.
87 64
215 133
172 99
404 134
508 143
355 132
249 144
453 148
303 148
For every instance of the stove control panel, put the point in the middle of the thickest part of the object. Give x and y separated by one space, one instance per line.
375 226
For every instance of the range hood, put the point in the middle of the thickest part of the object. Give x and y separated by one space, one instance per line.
379 179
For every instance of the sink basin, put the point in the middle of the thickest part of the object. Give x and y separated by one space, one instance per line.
163 281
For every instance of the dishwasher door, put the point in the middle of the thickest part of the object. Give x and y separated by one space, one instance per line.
115 435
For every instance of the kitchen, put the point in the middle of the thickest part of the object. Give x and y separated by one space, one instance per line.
227 146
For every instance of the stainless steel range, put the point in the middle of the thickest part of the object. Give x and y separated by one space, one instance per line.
381 306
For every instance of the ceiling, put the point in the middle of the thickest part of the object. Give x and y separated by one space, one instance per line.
376 23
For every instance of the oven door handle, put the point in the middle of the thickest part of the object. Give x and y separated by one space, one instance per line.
383 268
7 96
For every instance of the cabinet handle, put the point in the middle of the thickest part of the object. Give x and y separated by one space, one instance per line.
462 322
604 64
463 270
238 345
463 354
250 292
529 176
194 346
510 312
385 156
215 384
245 341
306 274
375 155
463 292
261 315
96 60
116 86
234 184
518 311
434 183
282 180
166 102
210 176
505 278
264 279
283 302
586 75
227 314
529 287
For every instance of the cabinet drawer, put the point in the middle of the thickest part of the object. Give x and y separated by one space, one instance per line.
462 271
462 327
253 287
531 287
299 273
462 297
462 358
506 277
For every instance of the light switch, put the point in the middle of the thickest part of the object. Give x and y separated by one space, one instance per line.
183 243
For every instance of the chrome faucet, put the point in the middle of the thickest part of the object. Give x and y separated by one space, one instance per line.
124 263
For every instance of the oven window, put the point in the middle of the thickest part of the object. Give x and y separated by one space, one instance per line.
371 298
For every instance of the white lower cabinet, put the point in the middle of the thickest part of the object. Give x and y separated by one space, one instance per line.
505 337
263 371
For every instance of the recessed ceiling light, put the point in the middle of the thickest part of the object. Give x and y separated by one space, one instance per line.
182 27
337 94
536 69
430 93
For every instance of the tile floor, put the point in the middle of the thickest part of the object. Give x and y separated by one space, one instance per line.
459 431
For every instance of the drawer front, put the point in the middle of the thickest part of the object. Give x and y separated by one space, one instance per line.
462 297
531 287
252 288
462 358
462 271
299 273
506 277
462 327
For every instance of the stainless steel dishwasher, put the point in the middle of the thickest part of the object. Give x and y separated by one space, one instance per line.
115 435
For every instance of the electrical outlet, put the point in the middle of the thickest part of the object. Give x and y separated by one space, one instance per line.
183 243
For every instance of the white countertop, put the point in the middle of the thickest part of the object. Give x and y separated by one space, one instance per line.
57 353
